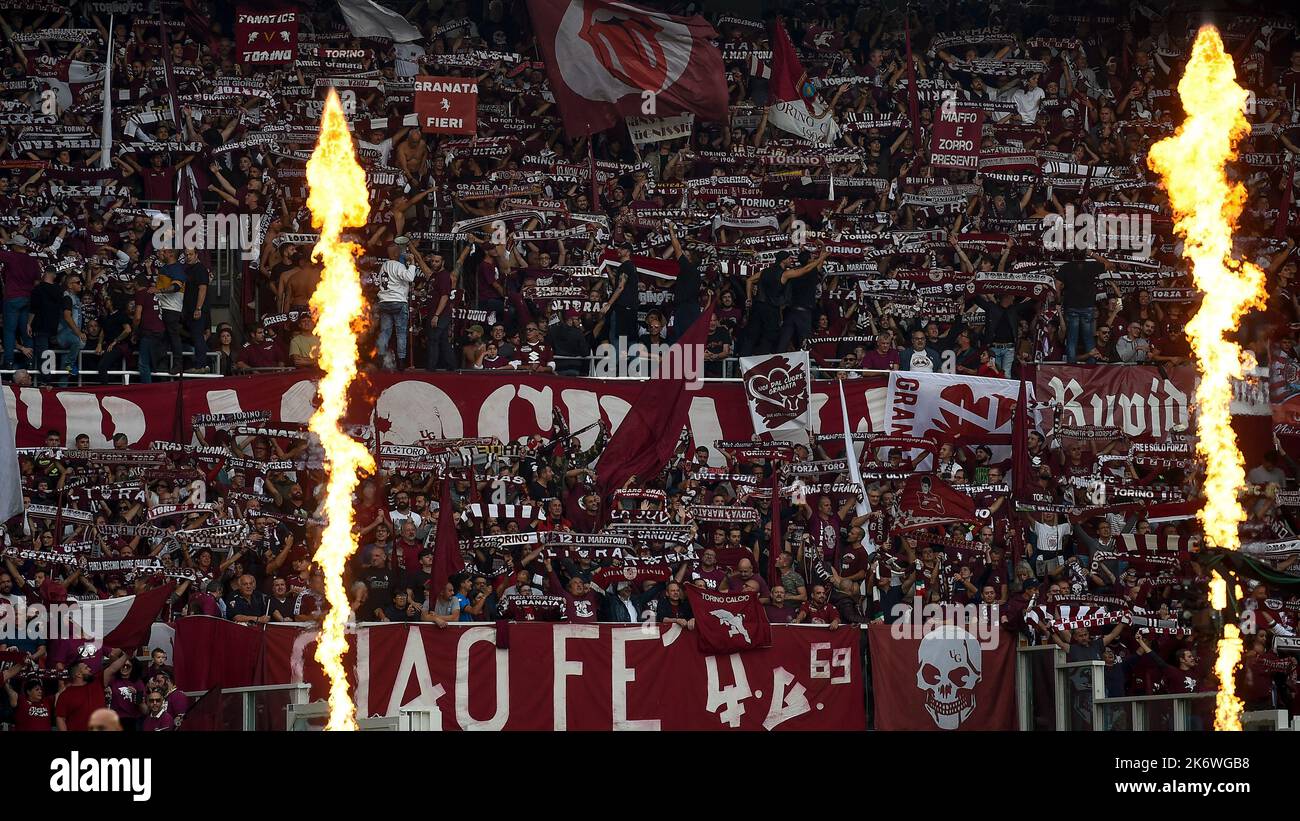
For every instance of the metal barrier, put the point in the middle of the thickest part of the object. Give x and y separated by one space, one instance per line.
311 717
1275 720
1078 701
163 372
263 707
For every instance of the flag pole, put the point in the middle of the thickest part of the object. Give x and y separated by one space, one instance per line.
913 107
855 473
106 122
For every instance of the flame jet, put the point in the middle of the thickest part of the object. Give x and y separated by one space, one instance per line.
338 199
1206 207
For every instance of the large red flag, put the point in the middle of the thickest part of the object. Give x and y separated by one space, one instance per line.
602 58
927 501
647 437
729 622
447 560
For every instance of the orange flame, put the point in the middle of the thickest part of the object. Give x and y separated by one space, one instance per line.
1206 207
338 199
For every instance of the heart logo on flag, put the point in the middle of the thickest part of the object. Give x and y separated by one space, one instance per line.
777 390
780 388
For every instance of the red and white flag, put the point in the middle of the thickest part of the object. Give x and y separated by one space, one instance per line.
607 61
729 622
125 621
796 108
778 388
653 267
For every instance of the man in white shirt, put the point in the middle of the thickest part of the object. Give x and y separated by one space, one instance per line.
407 56
1028 99
1049 542
395 278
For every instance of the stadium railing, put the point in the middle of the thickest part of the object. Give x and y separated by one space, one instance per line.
263 707
1053 694
163 371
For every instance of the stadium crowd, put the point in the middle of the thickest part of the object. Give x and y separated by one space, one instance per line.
527 249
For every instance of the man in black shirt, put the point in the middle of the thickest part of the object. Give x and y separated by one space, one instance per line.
380 581
45 317
113 344
626 300
1078 289
569 344
195 311
717 348
686 288
415 582
250 605
1002 325
772 296
798 316
281 602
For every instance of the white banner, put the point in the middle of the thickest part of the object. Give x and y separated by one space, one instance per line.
645 130
11 489
793 116
778 388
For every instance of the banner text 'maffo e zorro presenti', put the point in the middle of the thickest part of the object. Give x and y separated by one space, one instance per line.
533 676
957 138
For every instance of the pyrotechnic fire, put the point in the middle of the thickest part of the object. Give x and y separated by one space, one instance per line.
1227 708
338 199
1206 207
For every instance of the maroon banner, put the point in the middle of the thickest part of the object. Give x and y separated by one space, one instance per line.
944 681
447 105
955 141
266 38
553 676
410 407
729 622
1140 400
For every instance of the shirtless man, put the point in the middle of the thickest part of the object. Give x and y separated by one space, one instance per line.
298 284
413 156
